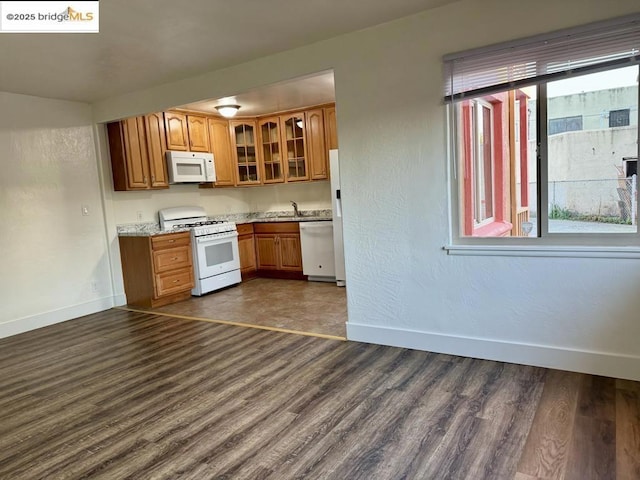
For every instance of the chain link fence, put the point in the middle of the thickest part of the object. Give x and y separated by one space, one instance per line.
607 200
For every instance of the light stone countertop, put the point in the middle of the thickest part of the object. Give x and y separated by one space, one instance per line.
151 228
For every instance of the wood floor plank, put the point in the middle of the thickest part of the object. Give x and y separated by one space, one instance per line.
627 434
592 454
509 410
135 395
524 476
326 432
545 452
597 398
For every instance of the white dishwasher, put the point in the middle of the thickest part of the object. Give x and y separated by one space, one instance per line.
316 239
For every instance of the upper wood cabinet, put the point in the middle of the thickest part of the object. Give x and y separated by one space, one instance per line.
220 142
186 132
269 139
317 153
176 126
245 153
293 144
156 148
331 128
289 147
198 131
137 154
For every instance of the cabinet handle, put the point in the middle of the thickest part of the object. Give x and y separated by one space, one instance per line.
172 241
174 258
176 281
153 179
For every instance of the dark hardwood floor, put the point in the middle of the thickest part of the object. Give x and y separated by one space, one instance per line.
126 395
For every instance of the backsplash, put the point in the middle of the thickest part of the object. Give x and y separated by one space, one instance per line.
142 207
151 228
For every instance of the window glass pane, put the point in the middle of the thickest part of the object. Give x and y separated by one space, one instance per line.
483 162
588 190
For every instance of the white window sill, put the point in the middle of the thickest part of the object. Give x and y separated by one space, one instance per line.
543 251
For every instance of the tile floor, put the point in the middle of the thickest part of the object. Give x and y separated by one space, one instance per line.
311 307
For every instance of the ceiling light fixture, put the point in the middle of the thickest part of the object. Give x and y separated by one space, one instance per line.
228 111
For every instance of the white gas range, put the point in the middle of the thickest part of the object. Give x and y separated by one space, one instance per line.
216 259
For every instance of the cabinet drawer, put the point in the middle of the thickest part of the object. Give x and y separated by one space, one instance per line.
174 281
171 258
245 228
276 227
170 240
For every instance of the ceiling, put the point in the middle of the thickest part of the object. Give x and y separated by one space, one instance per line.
143 43
289 95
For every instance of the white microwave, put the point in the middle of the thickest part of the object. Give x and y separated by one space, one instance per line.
190 167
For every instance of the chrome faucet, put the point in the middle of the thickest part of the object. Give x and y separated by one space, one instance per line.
296 213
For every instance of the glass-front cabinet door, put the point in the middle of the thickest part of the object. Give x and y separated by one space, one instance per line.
293 139
269 138
245 152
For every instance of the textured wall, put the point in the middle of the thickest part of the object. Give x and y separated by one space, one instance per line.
403 288
54 262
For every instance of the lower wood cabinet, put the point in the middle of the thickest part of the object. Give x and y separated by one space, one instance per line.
247 250
157 270
278 250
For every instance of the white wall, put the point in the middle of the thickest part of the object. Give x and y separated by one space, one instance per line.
55 262
578 314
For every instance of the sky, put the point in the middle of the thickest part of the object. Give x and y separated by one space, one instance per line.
621 77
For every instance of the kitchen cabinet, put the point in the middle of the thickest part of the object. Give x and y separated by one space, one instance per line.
278 250
270 142
186 132
198 132
245 154
176 127
290 147
156 148
294 148
220 141
136 147
157 270
247 251
331 127
317 152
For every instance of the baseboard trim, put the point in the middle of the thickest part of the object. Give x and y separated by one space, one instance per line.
25 324
119 300
583 361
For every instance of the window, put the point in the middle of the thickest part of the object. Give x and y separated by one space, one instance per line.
481 122
619 118
565 124
514 173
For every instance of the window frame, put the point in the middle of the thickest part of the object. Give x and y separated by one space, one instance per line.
479 163
594 243
627 117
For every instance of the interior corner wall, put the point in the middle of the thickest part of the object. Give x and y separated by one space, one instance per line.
55 262
402 288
